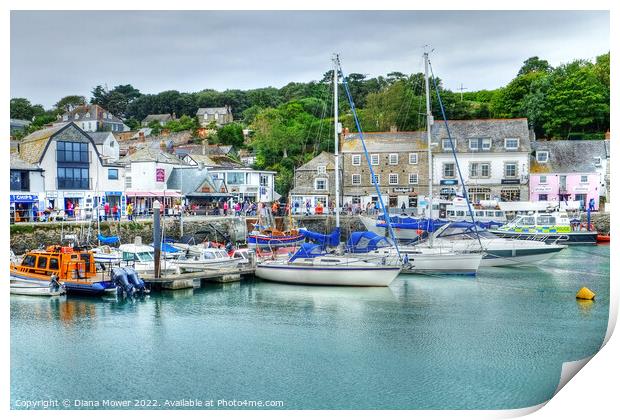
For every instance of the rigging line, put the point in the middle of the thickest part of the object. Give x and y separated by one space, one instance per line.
456 161
372 172
415 87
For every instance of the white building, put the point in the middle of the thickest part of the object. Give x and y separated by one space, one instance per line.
493 156
91 118
26 183
74 170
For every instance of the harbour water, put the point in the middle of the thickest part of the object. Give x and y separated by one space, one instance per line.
495 341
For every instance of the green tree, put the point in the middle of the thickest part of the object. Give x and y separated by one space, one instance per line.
155 127
534 64
68 102
231 134
22 109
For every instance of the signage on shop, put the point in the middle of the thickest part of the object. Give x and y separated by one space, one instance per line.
24 198
448 182
510 181
401 189
160 175
542 189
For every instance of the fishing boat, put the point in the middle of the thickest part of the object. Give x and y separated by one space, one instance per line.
209 259
313 264
552 226
74 269
273 238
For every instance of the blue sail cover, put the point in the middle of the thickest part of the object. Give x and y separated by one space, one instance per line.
333 239
108 240
360 242
308 250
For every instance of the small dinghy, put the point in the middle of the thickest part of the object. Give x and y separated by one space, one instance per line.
30 289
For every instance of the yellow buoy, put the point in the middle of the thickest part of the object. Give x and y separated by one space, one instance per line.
585 293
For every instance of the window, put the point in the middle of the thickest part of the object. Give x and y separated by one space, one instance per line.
479 170
511 144
542 179
543 197
42 262
448 170
374 160
510 170
53 263
393 179
320 184
479 193
486 144
72 152
584 179
356 179
356 160
542 156
377 179
65 118
112 173
413 178
393 159
264 181
72 178
235 178
597 161
87 115
510 194
413 158
127 181
321 169
446 144
480 144
28 261
20 181
76 116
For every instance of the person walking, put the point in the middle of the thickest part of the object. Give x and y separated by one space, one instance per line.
35 213
106 211
129 211
225 208
76 211
308 205
115 212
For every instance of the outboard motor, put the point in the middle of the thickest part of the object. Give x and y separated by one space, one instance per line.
119 277
134 279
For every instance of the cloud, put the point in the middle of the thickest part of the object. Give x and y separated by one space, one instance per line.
57 53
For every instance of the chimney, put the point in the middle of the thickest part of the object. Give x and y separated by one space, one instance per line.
141 136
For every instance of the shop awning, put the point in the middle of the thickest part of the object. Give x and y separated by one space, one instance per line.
24 198
153 194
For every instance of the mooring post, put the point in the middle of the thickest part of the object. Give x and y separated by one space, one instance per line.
157 238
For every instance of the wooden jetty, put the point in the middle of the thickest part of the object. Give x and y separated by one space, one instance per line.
186 280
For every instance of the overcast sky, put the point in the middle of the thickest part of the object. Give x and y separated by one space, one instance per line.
59 53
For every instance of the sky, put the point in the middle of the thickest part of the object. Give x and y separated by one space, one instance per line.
59 53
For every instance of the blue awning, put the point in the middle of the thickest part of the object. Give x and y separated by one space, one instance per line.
24 198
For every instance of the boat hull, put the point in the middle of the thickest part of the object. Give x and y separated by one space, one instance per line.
515 257
328 276
70 286
400 234
446 264
261 241
29 289
568 238
191 265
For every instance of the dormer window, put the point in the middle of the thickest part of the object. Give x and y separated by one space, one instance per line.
321 169
542 156
87 115
65 118
511 144
76 116
597 161
446 144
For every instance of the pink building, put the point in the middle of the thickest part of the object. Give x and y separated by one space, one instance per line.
567 170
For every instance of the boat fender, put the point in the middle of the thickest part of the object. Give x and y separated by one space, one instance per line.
585 294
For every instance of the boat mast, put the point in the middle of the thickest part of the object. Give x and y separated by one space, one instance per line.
429 122
336 166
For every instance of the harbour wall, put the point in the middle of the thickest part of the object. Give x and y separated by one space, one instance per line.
26 236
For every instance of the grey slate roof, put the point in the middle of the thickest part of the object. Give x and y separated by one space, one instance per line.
19 164
213 111
157 117
399 141
188 180
568 156
95 112
151 154
323 159
495 129
100 137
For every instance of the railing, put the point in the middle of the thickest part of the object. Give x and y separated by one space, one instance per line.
74 184
60 157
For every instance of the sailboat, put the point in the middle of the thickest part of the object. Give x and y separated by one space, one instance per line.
432 259
312 264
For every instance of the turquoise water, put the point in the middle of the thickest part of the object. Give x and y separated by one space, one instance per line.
494 341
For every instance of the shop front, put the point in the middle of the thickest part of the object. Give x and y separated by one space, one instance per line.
142 201
24 207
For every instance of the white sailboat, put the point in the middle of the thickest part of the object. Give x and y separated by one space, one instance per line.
429 259
310 265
